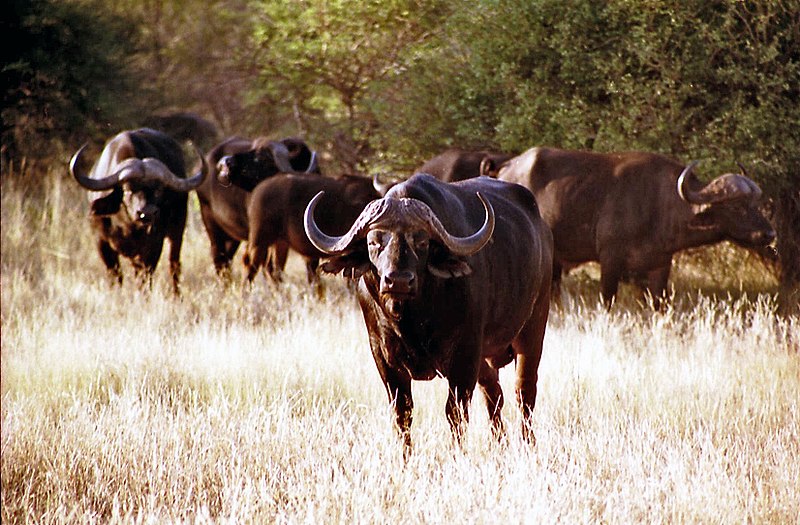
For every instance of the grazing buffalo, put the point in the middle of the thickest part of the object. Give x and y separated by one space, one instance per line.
454 282
275 217
455 164
237 166
632 211
143 173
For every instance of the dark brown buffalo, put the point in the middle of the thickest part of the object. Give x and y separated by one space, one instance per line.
632 211
237 166
456 164
454 282
185 126
142 173
275 217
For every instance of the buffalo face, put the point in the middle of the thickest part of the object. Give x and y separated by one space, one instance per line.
405 241
728 206
398 257
142 203
267 158
739 221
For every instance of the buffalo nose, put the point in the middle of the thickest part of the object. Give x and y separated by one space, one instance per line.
398 282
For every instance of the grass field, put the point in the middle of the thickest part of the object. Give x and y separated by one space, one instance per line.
263 405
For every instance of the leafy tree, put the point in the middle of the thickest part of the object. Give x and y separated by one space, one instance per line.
328 64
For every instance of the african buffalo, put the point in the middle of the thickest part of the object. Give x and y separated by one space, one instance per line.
454 281
143 172
632 211
275 217
237 166
455 164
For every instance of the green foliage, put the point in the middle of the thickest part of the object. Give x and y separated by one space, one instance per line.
719 81
65 76
332 65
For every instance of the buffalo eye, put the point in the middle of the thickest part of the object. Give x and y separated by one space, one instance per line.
420 241
376 240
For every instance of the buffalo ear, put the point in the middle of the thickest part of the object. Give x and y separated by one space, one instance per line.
353 264
108 205
703 221
449 267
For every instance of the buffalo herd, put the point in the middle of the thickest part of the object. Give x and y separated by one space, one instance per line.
454 266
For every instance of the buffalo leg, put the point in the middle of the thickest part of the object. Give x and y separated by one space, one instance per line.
255 258
223 247
461 379
528 347
556 284
488 379
175 237
610 275
399 390
657 285
111 259
146 267
276 260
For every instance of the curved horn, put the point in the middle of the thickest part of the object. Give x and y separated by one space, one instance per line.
128 169
336 245
460 246
487 167
380 187
465 246
312 164
280 153
155 171
686 195
173 182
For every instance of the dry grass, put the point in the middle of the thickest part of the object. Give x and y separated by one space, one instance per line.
264 405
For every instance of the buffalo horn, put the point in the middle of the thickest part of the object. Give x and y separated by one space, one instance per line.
460 246
171 181
127 169
380 186
464 246
686 195
724 188
336 245
312 164
280 153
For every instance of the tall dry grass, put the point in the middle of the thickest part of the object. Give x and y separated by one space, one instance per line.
263 405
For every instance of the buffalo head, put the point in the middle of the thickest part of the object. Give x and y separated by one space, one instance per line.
137 185
247 168
396 240
728 205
